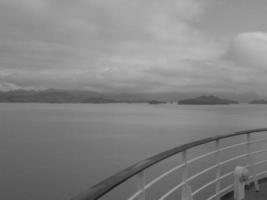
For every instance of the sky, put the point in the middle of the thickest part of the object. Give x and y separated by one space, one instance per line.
134 45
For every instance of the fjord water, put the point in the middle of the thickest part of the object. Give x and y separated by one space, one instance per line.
54 151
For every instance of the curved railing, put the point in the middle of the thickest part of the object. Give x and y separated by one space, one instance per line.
138 169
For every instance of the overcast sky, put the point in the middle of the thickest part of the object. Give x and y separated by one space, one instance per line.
134 45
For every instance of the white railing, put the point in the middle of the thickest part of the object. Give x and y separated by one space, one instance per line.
139 170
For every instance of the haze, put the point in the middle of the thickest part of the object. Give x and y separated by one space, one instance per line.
134 45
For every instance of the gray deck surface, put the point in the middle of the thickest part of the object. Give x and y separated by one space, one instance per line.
251 194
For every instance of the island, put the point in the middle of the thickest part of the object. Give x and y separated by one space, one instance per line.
54 96
156 102
67 96
260 101
207 100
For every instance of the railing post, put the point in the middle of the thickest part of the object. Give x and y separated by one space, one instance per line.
186 189
141 185
218 168
250 163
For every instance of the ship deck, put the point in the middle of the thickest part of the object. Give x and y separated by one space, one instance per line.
247 143
251 194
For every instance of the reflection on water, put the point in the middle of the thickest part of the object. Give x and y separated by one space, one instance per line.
53 151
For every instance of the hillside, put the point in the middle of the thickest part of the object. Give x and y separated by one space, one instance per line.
207 100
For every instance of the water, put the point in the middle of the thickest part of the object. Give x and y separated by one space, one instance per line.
54 151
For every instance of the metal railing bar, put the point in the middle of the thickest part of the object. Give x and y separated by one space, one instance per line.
110 183
234 158
198 190
258 141
202 172
135 195
171 191
184 193
225 175
250 162
260 162
204 186
141 179
261 173
202 156
212 182
229 187
232 146
191 178
257 152
218 166
163 175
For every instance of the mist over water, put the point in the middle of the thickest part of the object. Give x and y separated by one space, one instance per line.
54 151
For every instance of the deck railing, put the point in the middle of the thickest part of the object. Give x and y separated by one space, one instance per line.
139 169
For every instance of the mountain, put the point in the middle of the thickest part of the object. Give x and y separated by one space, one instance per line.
176 96
207 100
261 101
83 96
99 100
49 96
156 102
65 96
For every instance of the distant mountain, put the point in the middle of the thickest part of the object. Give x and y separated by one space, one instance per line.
156 102
99 100
65 96
176 96
82 96
49 96
261 101
207 100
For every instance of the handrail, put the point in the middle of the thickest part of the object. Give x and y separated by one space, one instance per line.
108 184
163 175
221 191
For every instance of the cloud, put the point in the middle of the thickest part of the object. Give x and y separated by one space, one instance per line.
246 59
103 44
8 86
249 49
122 46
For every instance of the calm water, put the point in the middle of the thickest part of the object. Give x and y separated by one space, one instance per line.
54 151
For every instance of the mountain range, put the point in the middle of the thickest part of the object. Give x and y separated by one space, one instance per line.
83 96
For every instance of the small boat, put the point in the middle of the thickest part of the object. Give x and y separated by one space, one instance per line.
222 179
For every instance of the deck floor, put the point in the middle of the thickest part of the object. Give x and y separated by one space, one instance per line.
251 194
